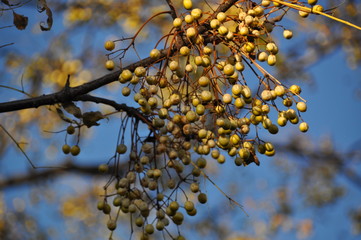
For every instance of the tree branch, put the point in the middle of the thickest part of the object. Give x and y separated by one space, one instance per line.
70 94
132 112
172 8
35 176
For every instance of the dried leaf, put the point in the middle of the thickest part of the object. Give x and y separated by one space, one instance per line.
62 116
91 118
43 6
72 109
20 21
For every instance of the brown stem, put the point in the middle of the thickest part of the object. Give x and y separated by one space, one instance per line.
172 8
71 93
35 176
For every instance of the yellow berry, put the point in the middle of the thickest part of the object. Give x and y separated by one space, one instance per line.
177 22
154 54
295 89
187 4
287 34
196 13
317 8
221 16
301 106
66 149
312 2
109 45
109 65
70 129
75 150
303 127
271 60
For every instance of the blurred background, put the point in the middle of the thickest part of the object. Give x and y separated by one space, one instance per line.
311 189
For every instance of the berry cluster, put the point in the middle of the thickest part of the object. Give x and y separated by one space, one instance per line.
200 101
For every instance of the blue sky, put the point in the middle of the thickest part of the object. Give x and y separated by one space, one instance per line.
333 111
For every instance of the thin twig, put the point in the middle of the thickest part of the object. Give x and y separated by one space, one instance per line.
18 145
310 10
172 8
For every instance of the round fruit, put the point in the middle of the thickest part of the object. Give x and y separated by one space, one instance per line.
248 19
303 127
66 149
139 72
139 221
273 129
173 65
191 32
194 187
159 225
303 14
227 98
196 13
239 66
206 96
187 4
154 54
184 51
112 225
215 23
239 103
149 228
237 89
266 95
126 91
223 30
282 121
106 208
202 198
109 45
178 218
228 69
75 150
200 109
100 205
249 47
265 3
287 34
174 206
203 81
279 90
317 8
272 48
301 106
295 89
126 75
271 60
109 65
262 56
103 168
258 10
189 19
244 153
177 22
189 206
201 162
312 2
191 116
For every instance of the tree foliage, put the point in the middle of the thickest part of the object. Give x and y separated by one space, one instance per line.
211 88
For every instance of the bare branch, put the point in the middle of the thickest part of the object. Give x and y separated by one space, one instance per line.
35 176
69 94
172 8
131 112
